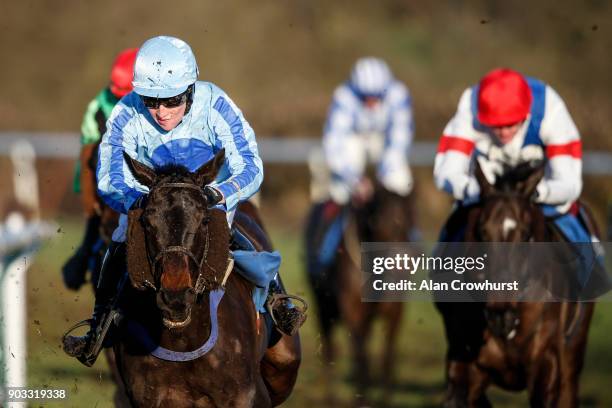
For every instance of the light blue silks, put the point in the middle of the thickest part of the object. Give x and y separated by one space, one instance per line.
259 268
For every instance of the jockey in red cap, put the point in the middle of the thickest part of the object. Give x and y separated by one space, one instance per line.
92 129
504 120
122 72
504 98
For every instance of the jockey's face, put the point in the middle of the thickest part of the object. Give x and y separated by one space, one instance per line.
505 134
371 102
168 118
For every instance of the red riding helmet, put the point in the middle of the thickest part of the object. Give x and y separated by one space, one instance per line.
504 98
122 72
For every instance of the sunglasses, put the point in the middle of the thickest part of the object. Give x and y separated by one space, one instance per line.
172 102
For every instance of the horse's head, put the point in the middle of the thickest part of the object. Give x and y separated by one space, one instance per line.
507 212
387 217
176 245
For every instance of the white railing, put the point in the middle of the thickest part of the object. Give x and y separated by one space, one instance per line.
276 149
21 233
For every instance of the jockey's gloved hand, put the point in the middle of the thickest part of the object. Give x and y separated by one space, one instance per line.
213 196
140 202
74 270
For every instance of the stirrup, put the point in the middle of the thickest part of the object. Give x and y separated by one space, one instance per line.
276 299
94 346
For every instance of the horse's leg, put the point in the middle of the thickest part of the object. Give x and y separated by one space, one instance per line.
119 397
457 383
464 327
327 346
478 382
543 381
392 313
328 353
359 327
571 354
279 367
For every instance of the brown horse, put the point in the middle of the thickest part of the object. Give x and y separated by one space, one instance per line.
537 346
194 336
386 217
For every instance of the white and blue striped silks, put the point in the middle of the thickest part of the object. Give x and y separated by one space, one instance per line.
355 135
214 122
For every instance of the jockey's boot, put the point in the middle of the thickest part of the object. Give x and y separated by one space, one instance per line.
287 317
75 268
87 348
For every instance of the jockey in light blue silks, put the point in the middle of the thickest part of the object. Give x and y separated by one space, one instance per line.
370 121
169 118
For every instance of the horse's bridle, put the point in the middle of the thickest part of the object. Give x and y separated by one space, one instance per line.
199 285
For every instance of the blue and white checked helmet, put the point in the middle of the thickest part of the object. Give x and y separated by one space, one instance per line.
371 77
165 66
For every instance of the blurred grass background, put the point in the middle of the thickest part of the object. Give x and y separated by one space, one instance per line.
280 61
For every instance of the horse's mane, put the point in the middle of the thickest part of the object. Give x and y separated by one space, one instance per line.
512 176
173 173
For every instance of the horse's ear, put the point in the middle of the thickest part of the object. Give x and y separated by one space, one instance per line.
471 227
528 187
486 188
142 173
208 172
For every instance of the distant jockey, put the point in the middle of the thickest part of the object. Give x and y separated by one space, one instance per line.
92 129
370 122
505 120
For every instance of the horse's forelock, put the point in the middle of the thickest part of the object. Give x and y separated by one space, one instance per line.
174 173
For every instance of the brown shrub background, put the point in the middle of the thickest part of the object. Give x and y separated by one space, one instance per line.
280 60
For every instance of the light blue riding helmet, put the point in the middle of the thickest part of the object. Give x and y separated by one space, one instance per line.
165 66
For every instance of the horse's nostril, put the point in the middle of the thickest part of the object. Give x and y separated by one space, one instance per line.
163 297
170 297
175 298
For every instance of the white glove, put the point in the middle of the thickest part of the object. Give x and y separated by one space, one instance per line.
531 153
492 165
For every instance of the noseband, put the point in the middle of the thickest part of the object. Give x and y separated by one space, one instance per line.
199 285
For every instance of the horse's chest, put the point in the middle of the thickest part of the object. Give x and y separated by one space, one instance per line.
212 380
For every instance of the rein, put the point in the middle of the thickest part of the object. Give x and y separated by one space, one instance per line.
181 356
